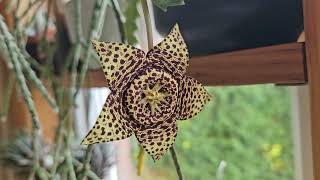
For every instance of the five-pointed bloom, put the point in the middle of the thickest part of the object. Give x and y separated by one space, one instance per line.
149 93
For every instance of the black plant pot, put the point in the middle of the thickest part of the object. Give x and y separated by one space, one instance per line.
212 26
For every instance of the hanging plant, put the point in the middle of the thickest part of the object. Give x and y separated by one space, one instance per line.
150 91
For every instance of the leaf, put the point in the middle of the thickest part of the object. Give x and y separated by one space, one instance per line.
164 4
131 14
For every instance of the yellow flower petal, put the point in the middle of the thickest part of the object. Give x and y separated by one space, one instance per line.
157 141
110 125
118 61
172 52
193 97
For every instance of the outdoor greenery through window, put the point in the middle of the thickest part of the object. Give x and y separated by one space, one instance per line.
245 129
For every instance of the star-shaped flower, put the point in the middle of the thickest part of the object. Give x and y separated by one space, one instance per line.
149 93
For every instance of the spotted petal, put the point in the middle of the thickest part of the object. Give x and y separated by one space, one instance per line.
157 141
192 97
119 61
111 124
172 52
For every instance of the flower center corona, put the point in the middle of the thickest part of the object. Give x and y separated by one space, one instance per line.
154 97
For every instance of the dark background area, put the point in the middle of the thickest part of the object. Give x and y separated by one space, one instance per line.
213 26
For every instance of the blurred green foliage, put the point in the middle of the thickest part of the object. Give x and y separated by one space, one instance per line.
248 127
130 26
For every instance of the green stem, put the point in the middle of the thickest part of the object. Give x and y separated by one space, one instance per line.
21 56
88 155
5 54
78 49
72 173
78 21
38 84
68 154
119 17
90 173
30 6
20 77
6 98
58 141
147 19
176 163
97 21
34 63
43 38
140 161
14 57
74 73
86 163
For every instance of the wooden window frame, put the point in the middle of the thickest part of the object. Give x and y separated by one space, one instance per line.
312 34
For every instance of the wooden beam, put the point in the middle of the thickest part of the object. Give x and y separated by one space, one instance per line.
312 33
280 64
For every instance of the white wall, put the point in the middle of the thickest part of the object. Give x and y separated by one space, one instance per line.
302 133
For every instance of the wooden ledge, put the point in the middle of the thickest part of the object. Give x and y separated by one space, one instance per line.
279 64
